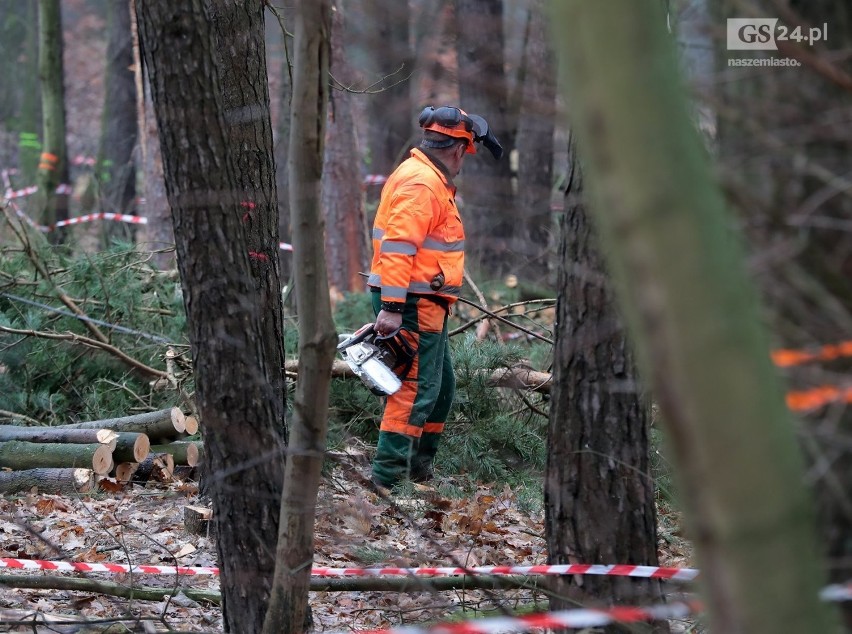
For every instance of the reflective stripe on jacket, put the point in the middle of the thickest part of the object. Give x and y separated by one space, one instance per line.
418 234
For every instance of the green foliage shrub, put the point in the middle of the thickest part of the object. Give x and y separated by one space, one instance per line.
56 381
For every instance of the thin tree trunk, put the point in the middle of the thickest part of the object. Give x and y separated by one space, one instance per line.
29 119
533 228
116 169
157 235
53 165
486 184
288 604
244 440
696 327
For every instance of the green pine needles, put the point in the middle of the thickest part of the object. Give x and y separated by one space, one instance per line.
51 374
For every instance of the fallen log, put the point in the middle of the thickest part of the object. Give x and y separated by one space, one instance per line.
20 455
40 582
184 452
58 434
51 481
517 378
131 446
317 584
158 426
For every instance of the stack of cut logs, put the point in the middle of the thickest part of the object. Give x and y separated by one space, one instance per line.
78 456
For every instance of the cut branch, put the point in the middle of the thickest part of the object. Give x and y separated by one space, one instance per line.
38 582
317 584
518 377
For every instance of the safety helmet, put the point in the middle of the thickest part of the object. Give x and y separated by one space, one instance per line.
455 122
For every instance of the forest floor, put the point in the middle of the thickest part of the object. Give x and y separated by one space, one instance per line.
354 529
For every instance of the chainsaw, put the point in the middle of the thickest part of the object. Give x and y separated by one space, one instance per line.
381 361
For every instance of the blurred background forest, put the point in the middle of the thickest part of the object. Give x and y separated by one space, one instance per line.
779 139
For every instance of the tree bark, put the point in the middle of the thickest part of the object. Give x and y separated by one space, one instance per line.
599 493
288 605
346 237
241 54
53 165
20 455
696 327
51 481
237 397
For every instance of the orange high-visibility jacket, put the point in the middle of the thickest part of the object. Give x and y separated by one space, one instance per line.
417 234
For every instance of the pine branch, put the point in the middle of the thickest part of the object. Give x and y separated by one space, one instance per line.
86 341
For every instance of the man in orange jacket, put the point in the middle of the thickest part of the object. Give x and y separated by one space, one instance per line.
415 277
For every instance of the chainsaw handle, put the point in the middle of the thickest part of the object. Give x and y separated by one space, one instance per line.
358 336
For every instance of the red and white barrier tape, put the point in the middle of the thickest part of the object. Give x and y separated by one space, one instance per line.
653 572
375 179
574 619
78 566
20 193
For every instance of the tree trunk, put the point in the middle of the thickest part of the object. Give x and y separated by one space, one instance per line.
19 49
695 322
53 165
784 162
157 235
49 481
346 237
485 184
288 605
241 54
237 398
282 144
20 455
116 169
599 494
533 226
